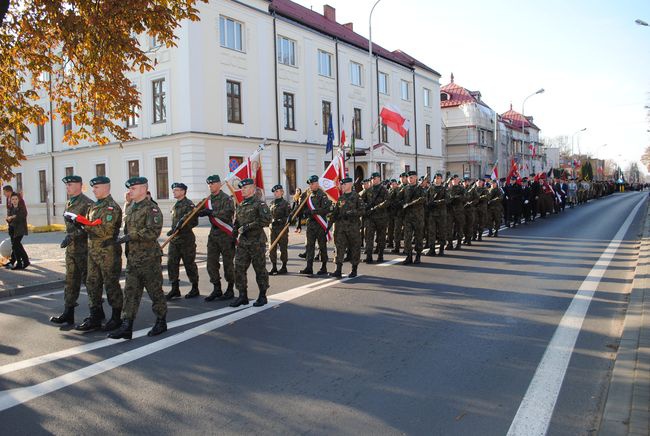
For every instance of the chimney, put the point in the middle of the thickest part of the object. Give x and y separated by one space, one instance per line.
329 12
349 26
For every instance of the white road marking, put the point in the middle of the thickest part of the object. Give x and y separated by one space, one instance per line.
14 397
536 409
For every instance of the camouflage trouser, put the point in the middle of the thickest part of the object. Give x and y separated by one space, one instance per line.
494 218
468 230
437 228
347 238
75 274
104 268
283 244
221 244
398 234
390 231
182 249
246 255
456 223
375 227
143 274
413 229
316 233
481 218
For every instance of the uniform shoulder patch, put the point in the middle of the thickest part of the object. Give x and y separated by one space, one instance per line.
154 210
110 208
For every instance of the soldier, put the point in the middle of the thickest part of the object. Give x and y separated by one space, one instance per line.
399 216
220 210
183 246
515 201
142 226
76 248
280 212
252 216
437 199
319 206
347 211
526 193
412 198
481 208
104 257
425 185
495 211
456 219
366 184
375 200
471 200
390 231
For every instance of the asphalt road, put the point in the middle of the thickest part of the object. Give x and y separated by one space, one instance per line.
457 345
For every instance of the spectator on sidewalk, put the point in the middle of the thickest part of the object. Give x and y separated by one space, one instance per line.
7 191
17 220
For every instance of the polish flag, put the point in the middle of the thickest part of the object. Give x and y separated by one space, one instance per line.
330 179
533 150
495 171
251 168
393 118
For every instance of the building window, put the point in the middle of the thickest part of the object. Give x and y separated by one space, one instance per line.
40 134
19 183
407 138
153 42
233 97
67 126
132 120
286 51
100 170
426 97
290 170
355 73
134 168
429 172
289 118
407 168
162 179
357 123
159 92
230 34
384 133
42 186
383 83
324 63
327 113
405 90
427 135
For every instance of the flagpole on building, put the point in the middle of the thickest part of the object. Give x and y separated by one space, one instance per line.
371 167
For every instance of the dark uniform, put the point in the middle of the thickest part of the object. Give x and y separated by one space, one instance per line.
437 199
392 212
481 212
375 200
320 207
456 218
399 216
280 213
471 201
346 215
412 198
495 209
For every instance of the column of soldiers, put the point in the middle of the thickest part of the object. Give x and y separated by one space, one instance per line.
440 216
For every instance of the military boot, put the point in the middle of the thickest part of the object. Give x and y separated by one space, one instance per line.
114 322
468 241
274 270
242 299
261 299
302 255
459 245
124 332
67 317
230 292
496 233
408 260
322 270
91 323
194 292
353 273
368 258
283 270
376 250
337 273
175 291
432 251
159 327
102 315
480 236
309 269
450 244
396 249
380 257
442 248
216 292
417 258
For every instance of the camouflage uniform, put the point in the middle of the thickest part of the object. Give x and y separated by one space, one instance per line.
392 212
221 243
76 253
143 224
280 212
437 199
347 211
104 263
399 219
456 219
253 215
376 220
471 200
413 218
315 232
183 246
495 209
481 211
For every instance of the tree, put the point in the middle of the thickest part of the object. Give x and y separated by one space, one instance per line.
633 173
78 53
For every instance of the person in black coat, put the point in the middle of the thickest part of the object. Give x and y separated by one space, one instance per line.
17 220
515 200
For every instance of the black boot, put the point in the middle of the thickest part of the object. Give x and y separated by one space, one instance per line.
450 245
67 317
380 258
396 249
480 236
468 240
216 292
114 322
194 292
283 270
242 299
442 248
322 270
496 233
124 332
175 291
417 258
274 270
353 273
230 292
309 269
93 322
338 274
102 315
159 327
432 251
408 260
458 245
261 299
368 258
490 232
302 255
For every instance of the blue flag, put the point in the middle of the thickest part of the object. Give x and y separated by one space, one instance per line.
330 137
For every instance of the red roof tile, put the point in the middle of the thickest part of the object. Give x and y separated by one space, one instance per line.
516 119
457 95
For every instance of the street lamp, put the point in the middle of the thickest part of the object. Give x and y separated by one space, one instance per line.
572 159
371 167
641 22
523 121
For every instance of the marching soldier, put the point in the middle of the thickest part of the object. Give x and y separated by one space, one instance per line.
252 216
495 209
412 197
142 226
347 211
481 208
456 219
104 257
76 249
399 216
366 184
437 199
280 212
471 199
319 206
375 200
183 246
514 193
390 231
220 210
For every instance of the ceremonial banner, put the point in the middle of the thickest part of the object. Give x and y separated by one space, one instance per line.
251 168
393 118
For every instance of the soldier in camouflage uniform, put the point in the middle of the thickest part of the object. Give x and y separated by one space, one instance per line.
280 212
471 200
220 209
319 206
481 208
252 216
456 217
76 248
392 211
399 216
347 211
376 202
437 198
495 209
366 184
412 198
104 257
142 226
183 246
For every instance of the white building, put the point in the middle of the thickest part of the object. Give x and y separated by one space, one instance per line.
250 71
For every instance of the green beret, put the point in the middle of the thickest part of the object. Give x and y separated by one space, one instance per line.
375 174
183 186
245 182
276 188
133 181
367 179
393 180
100 180
404 174
346 180
71 179
312 179
213 179
412 173
438 175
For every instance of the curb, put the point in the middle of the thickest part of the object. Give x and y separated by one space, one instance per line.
627 408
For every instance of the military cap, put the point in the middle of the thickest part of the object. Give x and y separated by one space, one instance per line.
502 179
71 179
467 179
312 179
513 177
133 181
393 180
276 188
412 173
455 176
183 186
213 179
346 180
438 175
525 179
100 180
375 174
404 174
487 176
245 182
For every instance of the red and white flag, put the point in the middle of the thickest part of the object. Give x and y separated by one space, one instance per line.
532 149
495 171
319 219
251 168
330 179
393 118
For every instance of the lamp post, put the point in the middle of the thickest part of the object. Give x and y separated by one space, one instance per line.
572 159
523 121
371 167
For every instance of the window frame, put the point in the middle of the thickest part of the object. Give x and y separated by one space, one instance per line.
283 58
42 186
237 28
357 123
404 87
162 178
359 67
426 97
40 134
427 135
159 97
230 98
325 115
386 90
289 110
321 55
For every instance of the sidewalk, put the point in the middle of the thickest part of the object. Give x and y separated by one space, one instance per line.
47 269
627 410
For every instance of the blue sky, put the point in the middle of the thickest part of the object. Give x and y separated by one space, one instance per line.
589 56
